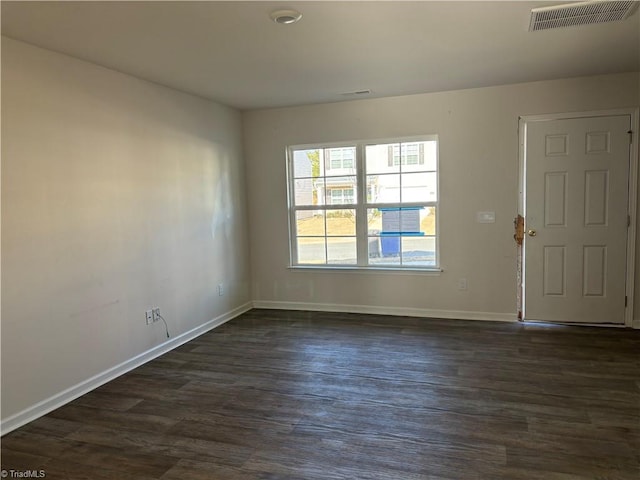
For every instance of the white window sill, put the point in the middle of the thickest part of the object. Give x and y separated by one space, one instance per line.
429 271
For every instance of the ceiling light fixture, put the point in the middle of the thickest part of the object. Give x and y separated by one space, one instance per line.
285 17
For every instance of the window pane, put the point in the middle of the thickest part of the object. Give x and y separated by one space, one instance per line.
394 221
390 221
427 158
428 220
384 250
374 221
340 190
407 154
383 188
340 196
310 223
406 157
307 163
374 248
379 159
308 191
419 187
340 161
410 220
341 250
341 222
311 250
418 251
385 261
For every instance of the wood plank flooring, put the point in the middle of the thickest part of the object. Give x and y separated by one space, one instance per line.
300 395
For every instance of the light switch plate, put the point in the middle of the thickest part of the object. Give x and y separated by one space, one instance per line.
486 217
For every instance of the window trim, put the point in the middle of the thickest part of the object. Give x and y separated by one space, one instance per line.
360 206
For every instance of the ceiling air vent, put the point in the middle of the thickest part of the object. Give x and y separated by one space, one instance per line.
580 13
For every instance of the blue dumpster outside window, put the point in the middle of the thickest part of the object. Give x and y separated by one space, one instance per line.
392 230
390 246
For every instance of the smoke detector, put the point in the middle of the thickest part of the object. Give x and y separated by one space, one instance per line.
580 13
285 17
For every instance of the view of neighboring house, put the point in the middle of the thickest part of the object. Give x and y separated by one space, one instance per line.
334 180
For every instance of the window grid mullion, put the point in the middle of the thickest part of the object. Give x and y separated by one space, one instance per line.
400 211
326 238
293 227
362 247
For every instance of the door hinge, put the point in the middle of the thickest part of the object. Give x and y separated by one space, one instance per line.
630 132
628 221
626 299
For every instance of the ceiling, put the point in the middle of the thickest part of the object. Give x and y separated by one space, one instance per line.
233 53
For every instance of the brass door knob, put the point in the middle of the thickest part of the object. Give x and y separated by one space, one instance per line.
531 233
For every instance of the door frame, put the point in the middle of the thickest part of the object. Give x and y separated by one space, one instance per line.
634 114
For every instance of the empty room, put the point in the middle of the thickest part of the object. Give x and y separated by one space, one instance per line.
320 240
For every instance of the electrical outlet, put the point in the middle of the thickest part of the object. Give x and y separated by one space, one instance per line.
462 284
220 289
155 314
148 315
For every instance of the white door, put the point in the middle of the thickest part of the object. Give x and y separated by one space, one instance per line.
576 214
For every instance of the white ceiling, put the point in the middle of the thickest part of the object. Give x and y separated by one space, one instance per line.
232 52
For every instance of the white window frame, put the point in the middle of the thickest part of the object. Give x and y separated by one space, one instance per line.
360 206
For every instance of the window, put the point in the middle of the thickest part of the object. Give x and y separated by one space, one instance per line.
365 204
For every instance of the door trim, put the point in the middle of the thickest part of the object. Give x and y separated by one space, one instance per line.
634 114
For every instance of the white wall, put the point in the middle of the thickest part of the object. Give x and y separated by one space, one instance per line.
117 195
478 136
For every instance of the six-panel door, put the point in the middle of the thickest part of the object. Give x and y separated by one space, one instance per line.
576 208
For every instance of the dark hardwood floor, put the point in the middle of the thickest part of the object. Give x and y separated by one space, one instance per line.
300 395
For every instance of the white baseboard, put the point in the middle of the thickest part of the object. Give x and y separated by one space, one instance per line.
382 310
42 408
66 396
